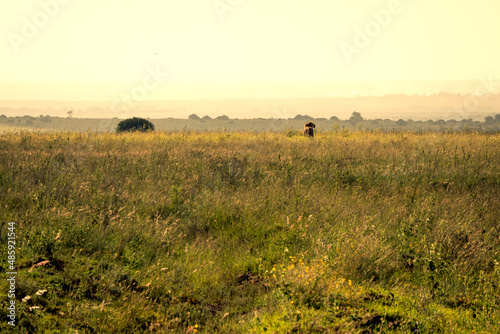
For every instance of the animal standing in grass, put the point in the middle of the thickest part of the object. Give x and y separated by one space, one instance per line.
309 129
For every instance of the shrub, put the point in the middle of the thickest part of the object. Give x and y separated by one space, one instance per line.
401 122
355 117
300 117
489 120
135 124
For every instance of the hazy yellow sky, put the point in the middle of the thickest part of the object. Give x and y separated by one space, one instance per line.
75 49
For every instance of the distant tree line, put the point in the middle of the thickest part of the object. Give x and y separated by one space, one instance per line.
490 123
356 118
195 117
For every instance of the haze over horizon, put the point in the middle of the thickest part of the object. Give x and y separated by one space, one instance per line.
130 52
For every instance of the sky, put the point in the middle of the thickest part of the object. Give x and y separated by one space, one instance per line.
168 49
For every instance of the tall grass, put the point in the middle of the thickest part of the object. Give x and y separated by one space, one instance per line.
351 231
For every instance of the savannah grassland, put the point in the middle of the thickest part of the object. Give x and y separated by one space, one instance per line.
239 232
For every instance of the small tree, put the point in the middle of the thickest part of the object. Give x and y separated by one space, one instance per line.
300 117
489 120
356 117
194 117
401 122
135 124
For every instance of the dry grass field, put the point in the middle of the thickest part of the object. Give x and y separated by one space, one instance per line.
237 232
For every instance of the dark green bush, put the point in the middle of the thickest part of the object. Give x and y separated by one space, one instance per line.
135 124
